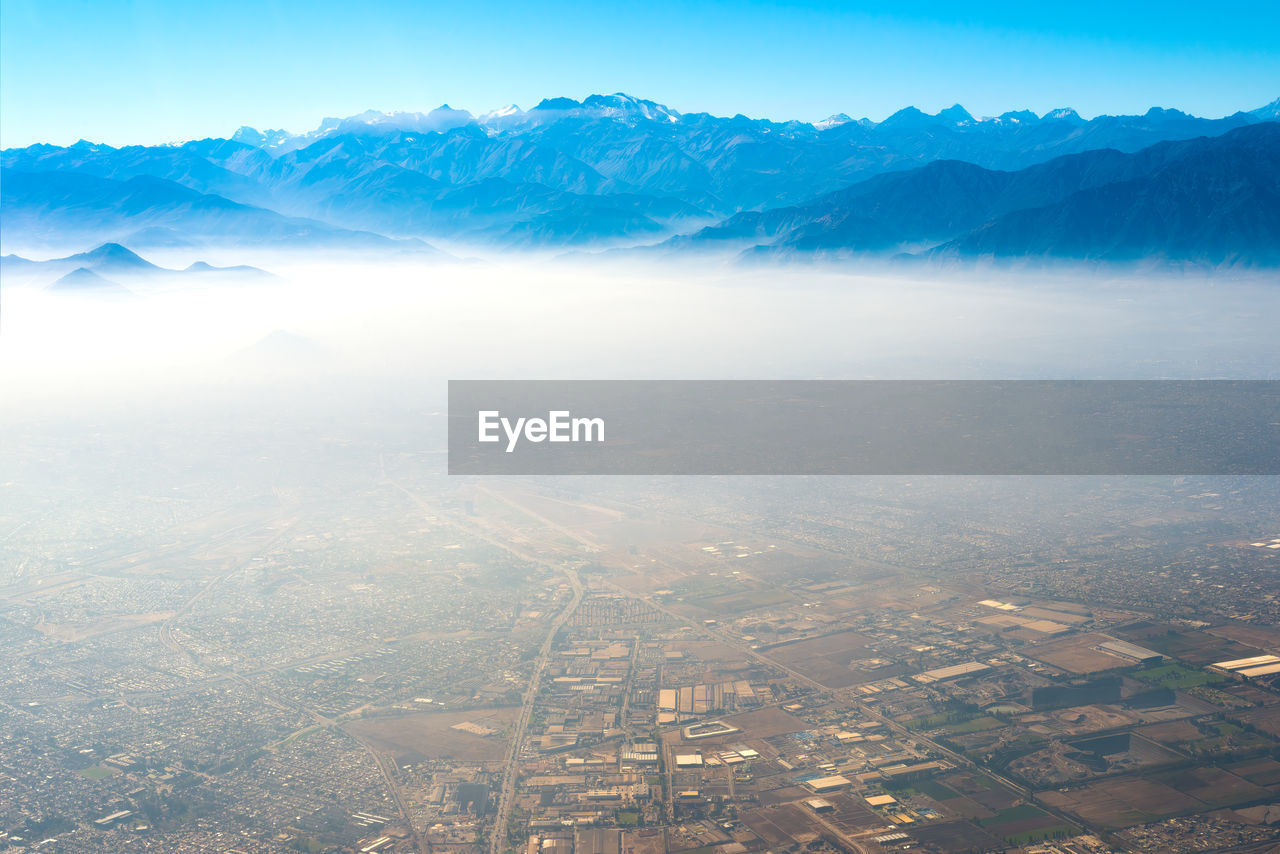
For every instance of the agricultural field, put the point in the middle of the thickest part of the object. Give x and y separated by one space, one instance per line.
1266 718
1214 787
1260 772
1194 647
1172 674
957 836
1125 801
1257 637
1026 823
1121 802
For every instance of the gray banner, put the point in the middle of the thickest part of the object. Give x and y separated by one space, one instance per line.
968 427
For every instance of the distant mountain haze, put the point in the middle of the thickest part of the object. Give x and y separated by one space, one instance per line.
109 261
619 171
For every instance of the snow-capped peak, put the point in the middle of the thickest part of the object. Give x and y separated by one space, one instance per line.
833 121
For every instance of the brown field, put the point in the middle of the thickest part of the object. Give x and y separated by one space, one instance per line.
762 825
764 723
966 807
784 795
979 790
782 826
1266 719
826 659
1248 693
1259 637
1261 772
1074 654
1042 613
649 840
794 821
1213 786
430 735
956 836
747 600
1122 801
833 644
709 651
1173 732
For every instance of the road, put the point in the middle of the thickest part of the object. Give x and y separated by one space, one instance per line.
844 694
507 794
388 771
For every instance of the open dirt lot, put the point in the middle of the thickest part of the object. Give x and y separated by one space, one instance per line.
764 723
1259 637
826 659
1076 655
431 735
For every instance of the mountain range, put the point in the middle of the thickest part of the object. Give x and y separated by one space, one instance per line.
619 171
1211 199
99 268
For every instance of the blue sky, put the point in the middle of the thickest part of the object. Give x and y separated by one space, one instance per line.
146 72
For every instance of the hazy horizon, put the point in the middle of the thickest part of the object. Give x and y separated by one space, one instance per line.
192 74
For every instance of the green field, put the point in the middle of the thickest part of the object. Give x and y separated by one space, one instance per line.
1175 675
936 790
1017 813
948 719
976 725
97 772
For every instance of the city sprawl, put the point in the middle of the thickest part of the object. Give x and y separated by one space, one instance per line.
323 644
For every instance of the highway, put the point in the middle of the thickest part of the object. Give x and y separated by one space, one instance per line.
507 794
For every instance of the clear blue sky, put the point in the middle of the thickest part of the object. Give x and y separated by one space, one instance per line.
145 72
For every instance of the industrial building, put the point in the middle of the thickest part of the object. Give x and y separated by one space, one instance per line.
1249 668
832 783
955 671
907 773
1130 652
